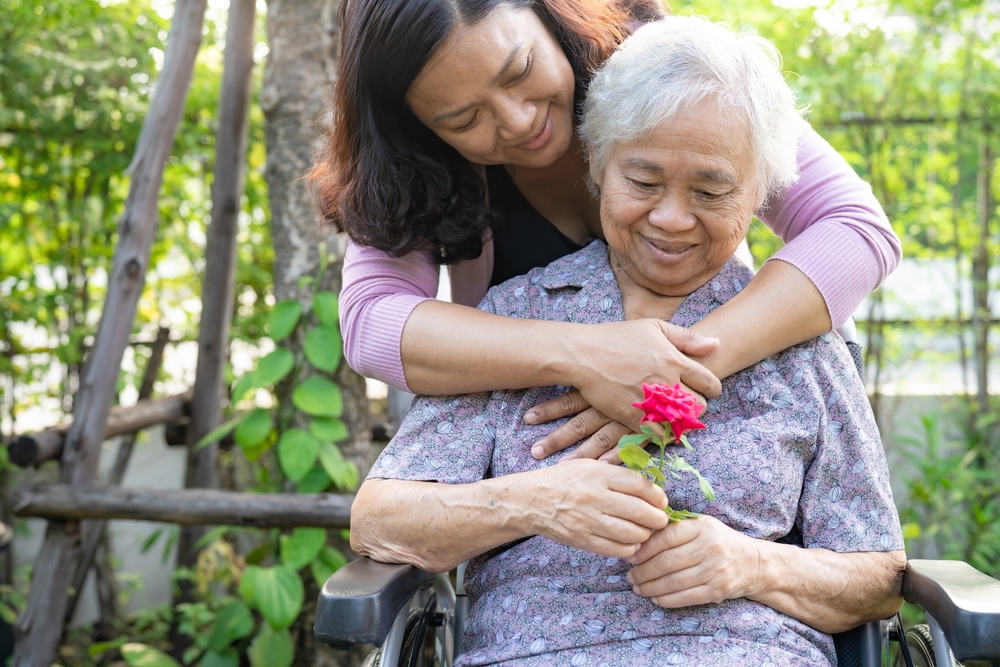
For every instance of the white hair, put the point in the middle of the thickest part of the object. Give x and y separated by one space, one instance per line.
671 65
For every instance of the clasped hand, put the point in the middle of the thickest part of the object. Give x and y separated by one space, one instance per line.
647 350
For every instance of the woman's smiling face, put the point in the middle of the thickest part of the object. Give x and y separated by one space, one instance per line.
676 204
499 92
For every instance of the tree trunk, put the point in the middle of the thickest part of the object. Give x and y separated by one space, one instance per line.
297 78
40 626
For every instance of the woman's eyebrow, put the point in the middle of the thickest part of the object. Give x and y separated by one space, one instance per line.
503 70
716 176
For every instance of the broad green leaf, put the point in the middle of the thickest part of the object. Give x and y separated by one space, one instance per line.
647 430
227 658
325 307
326 563
343 473
684 441
302 546
141 655
278 594
283 319
273 367
233 622
319 397
634 457
248 583
632 439
297 453
254 428
315 481
242 386
220 431
656 474
329 430
324 348
271 648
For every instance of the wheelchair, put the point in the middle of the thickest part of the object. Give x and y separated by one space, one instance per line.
402 610
410 614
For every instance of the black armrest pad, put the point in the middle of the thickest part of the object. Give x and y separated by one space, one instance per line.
964 601
361 600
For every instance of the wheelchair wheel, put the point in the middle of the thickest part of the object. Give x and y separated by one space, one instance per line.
921 645
411 640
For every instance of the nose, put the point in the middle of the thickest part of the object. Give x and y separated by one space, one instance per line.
515 119
672 212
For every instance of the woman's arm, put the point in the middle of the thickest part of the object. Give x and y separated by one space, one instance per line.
840 248
585 504
703 561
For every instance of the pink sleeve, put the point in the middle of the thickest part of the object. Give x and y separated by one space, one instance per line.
377 296
836 231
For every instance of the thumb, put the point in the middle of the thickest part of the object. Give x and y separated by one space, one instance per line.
688 341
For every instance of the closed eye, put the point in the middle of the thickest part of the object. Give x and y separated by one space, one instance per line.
527 70
468 125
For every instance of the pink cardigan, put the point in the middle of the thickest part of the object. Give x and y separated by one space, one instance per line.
836 231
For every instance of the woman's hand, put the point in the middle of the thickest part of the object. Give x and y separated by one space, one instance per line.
646 350
594 506
697 561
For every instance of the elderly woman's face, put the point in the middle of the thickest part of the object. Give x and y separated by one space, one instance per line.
675 205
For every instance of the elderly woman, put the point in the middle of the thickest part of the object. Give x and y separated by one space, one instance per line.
689 127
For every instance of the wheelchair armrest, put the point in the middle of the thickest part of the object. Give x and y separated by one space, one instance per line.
964 601
360 601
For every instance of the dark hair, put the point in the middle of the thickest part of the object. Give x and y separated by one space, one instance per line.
385 178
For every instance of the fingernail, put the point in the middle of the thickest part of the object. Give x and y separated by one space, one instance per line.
530 416
537 451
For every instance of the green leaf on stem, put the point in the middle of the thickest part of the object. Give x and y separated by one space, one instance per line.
326 563
645 428
706 489
329 430
315 481
632 439
233 622
302 546
227 658
273 367
297 451
220 432
283 319
324 348
326 309
254 428
343 473
318 397
271 648
278 595
635 457
684 441
656 474
141 655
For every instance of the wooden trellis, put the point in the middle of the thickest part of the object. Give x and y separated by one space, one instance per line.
76 509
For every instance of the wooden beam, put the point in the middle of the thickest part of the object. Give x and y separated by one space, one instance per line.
184 506
220 267
40 627
34 448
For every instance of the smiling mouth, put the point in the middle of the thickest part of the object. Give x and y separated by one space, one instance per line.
671 250
542 137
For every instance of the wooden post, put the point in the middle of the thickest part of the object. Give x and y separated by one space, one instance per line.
94 533
220 251
40 626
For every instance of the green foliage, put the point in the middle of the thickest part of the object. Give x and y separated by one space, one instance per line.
319 397
952 506
277 593
302 547
141 655
297 451
271 648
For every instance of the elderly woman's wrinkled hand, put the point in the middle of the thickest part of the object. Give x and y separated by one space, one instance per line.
596 507
695 562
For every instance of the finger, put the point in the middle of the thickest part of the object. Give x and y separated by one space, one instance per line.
630 483
700 379
588 422
607 547
601 444
568 404
689 341
704 594
665 563
675 582
672 537
612 456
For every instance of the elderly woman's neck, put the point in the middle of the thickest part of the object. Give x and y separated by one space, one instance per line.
638 300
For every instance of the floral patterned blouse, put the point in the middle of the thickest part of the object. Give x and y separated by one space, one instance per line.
791 444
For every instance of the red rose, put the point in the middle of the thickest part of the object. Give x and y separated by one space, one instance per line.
664 403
